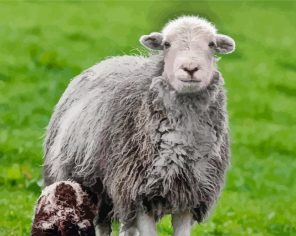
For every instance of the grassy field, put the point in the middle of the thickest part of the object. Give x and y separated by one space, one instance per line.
44 44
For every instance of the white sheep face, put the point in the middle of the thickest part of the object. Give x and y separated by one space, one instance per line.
189 45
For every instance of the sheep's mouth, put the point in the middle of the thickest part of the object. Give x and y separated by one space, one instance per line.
191 81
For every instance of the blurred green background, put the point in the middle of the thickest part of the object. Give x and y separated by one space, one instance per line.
43 44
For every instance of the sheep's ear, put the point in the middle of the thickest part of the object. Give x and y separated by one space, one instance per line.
152 41
225 44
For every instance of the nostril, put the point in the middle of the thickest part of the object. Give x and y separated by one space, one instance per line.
195 69
191 71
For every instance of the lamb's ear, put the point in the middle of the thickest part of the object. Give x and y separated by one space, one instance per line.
152 41
225 44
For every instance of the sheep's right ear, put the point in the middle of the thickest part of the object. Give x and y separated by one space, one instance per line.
152 41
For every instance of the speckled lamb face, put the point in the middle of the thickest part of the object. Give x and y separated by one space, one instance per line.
189 45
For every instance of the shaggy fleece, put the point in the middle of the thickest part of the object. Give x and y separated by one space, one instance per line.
120 126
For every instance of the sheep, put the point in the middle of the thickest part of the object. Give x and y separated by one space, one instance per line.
148 134
65 208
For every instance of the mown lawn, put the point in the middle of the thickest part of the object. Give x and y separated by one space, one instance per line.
43 44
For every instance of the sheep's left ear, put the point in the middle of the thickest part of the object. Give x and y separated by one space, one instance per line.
225 44
152 41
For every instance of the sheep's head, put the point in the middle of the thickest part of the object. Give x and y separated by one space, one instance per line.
189 45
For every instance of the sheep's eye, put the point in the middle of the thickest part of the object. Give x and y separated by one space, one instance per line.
211 44
167 44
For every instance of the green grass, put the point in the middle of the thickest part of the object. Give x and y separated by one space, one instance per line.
44 44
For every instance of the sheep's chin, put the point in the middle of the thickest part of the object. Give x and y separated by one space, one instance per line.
184 86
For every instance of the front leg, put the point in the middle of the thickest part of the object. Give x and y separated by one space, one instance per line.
146 225
182 223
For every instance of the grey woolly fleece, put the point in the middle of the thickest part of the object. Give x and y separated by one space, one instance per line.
121 130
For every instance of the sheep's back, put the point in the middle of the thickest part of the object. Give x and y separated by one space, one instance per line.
76 136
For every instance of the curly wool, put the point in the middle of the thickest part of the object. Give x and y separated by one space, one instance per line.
64 208
120 124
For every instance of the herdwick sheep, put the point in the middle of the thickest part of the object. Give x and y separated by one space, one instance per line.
149 135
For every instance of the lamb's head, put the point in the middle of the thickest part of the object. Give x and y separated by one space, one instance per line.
189 45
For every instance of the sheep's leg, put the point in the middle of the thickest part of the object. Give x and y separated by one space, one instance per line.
132 231
182 223
103 230
146 225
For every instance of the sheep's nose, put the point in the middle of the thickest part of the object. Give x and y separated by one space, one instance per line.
190 71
